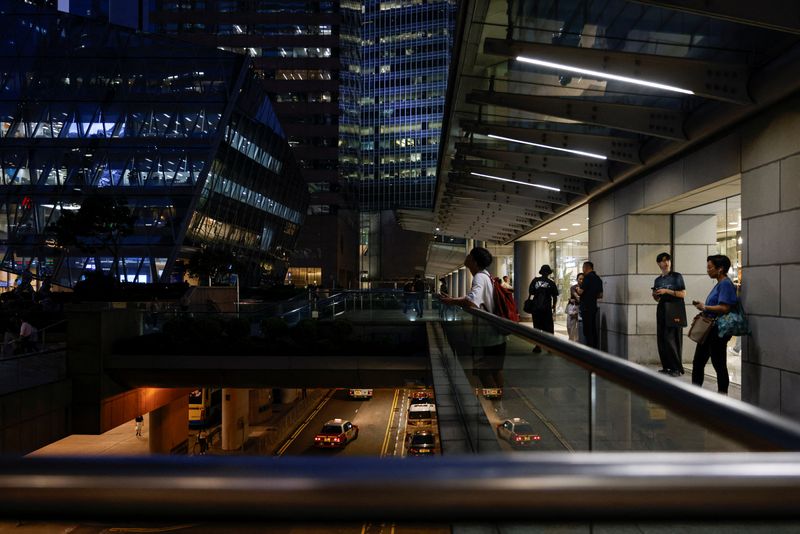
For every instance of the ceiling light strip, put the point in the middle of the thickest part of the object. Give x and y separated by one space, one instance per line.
540 186
603 75
571 151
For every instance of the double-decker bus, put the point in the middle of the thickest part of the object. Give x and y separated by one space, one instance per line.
205 407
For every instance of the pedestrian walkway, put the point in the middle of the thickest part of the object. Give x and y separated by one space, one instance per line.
119 441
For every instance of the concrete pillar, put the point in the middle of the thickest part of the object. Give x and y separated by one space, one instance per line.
528 257
695 238
462 281
235 411
451 283
168 431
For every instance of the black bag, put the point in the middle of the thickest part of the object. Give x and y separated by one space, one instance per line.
527 307
675 314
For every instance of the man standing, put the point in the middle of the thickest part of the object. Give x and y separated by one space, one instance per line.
488 345
544 294
590 291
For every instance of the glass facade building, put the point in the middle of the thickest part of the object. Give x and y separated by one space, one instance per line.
186 139
295 46
403 64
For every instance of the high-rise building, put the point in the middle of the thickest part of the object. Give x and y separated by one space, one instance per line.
394 119
187 141
295 45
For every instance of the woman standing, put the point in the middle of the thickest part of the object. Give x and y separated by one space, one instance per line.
573 309
719 302
669 291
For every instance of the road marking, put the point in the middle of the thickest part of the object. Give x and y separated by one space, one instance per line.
305 423
385 446
544 420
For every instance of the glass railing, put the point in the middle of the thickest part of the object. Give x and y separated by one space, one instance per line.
570 397
570 439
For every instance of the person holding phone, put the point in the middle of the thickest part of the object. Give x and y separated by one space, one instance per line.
719 302
669 291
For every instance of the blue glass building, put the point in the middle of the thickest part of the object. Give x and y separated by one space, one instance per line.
186 137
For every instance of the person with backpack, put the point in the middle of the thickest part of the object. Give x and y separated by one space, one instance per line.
543 294
488 344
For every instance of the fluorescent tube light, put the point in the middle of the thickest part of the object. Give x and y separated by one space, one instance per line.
578 152
489 176
603 75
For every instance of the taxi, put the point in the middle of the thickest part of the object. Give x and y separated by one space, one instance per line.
421 443
336 433
360 393
518 432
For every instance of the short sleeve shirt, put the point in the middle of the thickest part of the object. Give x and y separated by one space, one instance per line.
481 294
722 293
672 281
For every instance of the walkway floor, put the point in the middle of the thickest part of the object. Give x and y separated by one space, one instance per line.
119 441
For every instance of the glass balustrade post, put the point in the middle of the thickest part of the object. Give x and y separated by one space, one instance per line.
592 407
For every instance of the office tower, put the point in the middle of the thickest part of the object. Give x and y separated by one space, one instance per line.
295 47
405 48
187 141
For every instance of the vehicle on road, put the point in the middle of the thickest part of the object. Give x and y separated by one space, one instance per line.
422 443
420 400
360 393
421 413
336 433
518 432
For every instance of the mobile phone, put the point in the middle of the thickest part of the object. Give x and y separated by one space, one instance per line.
695 302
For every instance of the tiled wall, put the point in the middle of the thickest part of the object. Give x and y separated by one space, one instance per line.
766 151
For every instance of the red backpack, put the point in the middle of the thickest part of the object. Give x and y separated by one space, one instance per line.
504 304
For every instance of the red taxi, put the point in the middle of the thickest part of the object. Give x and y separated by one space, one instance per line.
518 432
336 433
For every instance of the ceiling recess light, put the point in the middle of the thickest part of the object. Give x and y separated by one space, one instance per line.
603 75
552 233
578 152
563 229
576 224
544 237
437 228
489 176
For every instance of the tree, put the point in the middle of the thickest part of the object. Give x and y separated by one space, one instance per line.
212 264
101 224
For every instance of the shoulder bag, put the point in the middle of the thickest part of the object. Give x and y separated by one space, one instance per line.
733 323
675 314
527 306
701 327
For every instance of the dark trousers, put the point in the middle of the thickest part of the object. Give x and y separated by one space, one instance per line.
589 316
670 343
543 320
716 348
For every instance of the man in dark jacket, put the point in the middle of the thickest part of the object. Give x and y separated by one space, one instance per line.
543 293
590 291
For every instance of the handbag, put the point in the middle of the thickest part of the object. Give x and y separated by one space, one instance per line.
733 323
701 327
572 309
675 314
527 307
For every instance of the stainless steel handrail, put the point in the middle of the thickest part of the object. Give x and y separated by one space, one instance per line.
549 486
735 420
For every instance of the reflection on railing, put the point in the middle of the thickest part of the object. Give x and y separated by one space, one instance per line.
579 398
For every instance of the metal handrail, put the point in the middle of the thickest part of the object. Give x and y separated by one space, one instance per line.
735 420
543 487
